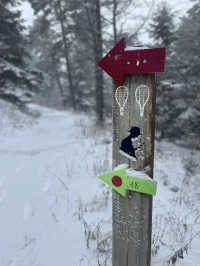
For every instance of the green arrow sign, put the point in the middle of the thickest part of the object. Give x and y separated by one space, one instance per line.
119 181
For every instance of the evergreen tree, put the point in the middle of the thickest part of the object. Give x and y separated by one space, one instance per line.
162 29
46 48
46 51
188 44
77 20
18 83
57 12
178 92
88 28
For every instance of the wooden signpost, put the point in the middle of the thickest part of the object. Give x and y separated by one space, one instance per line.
133 70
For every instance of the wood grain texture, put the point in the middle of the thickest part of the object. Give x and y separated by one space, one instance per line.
132 214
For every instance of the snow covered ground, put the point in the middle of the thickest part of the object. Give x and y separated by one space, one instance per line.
56 212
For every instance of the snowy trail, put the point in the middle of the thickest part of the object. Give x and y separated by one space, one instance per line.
29 162
49 172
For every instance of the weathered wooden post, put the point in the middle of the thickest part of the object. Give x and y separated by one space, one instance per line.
133 70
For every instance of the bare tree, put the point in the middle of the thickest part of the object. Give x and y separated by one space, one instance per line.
120 12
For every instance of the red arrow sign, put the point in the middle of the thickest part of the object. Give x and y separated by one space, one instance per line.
119 61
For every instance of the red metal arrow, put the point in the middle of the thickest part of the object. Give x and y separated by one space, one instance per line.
119 62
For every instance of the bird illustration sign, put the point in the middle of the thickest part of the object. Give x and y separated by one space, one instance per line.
123 60
120 181
126 148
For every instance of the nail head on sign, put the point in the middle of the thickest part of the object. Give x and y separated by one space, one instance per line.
117 181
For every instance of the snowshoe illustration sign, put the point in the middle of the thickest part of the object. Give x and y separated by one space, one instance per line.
119 181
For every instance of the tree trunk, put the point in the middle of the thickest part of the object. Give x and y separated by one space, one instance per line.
114 21
66 55
61 90
98 70
59 85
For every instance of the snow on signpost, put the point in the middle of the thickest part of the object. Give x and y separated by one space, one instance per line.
133 68
121 179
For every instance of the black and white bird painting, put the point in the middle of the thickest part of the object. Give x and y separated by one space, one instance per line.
126 148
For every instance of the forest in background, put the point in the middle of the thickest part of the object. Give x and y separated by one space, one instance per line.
54 64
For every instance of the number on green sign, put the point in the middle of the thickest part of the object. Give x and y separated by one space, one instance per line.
136 185
132 184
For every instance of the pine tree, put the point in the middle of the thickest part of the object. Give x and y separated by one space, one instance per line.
56 11
189 33
18 83
187 48
178 92
77 20
46 51
163 28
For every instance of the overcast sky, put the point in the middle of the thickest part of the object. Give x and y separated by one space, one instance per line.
181 6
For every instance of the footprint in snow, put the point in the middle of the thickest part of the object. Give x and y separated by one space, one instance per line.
24 252
1 182
17 170
47 185
28 211
3 196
